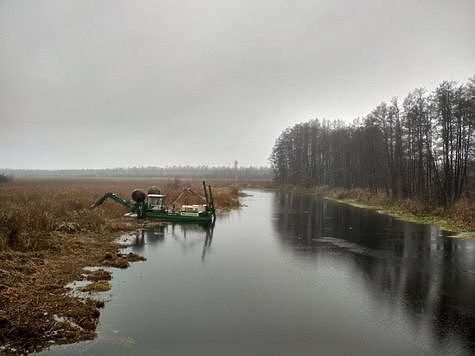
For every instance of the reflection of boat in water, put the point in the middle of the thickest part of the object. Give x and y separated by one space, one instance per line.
191 229
152 234
184 234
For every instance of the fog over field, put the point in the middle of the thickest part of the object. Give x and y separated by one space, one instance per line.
121 83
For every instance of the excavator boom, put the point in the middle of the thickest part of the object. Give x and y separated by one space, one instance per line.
115 198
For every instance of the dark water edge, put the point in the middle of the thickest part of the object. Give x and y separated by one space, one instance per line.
414 265
291 274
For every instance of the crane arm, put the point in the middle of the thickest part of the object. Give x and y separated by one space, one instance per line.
115 198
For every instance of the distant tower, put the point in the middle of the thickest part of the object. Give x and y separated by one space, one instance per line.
235 171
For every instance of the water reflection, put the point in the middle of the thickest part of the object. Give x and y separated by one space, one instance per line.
188 236
151 235
413 266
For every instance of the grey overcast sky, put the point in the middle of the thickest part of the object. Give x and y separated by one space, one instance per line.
119 83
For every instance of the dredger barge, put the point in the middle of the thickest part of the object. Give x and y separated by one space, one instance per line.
152 205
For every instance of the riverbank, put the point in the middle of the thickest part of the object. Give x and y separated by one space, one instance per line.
36 308
459 219
48 235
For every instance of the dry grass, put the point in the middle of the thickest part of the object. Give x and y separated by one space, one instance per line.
33 293
463 211
97 286
99 275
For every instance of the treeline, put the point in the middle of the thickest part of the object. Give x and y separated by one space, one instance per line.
244 173
422 148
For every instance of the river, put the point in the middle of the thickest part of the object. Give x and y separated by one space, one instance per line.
291 274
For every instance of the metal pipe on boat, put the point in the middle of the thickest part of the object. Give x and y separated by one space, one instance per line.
206 194
211 200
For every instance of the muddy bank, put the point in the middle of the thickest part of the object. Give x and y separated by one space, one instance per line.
36 310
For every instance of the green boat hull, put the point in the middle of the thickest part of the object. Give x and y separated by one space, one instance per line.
203 217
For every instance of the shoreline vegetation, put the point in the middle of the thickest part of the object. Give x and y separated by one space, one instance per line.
48 236
460 218
412 158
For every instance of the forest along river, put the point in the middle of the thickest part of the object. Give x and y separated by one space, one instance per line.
292 274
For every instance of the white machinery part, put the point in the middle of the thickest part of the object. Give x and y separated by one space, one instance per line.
196 208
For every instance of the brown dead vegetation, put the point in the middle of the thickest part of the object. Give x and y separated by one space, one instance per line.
99 275
97 286
35 309
48 235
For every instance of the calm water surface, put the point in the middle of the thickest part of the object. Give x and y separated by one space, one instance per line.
290 274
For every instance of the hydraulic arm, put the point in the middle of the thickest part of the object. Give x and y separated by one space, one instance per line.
114 197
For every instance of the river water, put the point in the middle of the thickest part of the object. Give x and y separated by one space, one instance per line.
291 274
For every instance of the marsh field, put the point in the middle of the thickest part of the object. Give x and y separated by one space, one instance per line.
48 235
